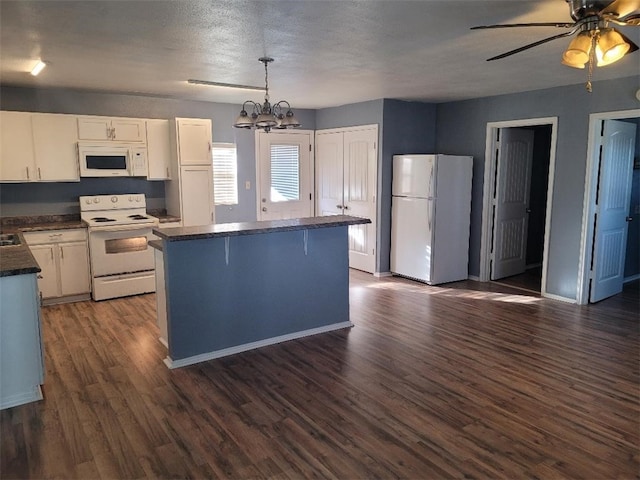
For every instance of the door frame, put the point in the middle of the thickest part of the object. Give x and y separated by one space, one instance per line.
490 163
312 166
588 209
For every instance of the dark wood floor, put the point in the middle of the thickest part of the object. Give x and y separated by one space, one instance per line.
466 380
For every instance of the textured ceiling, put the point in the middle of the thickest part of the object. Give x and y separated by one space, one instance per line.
326 52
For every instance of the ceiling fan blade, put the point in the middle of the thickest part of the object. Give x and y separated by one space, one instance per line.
511 25
633 20
534 44
621 8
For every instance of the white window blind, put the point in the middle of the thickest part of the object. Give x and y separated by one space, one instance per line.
285 173
225 174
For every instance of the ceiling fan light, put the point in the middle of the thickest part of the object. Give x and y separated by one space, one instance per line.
613 47
577 52
572 65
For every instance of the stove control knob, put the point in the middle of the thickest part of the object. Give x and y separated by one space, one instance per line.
131 198
96 200
87 201
114 199
138 198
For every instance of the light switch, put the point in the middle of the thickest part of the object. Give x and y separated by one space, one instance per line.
247 185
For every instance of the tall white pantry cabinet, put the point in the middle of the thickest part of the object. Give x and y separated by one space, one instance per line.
189 193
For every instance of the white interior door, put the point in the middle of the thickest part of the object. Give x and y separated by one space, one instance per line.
360 178
511 202
330 173
284 172
612 209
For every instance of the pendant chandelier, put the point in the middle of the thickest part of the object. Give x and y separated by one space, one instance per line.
266 116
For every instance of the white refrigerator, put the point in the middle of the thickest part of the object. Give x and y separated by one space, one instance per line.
430 215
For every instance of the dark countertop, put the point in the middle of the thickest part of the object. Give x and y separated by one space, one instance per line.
253 228
157 244
17 259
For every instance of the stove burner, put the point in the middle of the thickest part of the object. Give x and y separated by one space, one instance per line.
137 216
103 219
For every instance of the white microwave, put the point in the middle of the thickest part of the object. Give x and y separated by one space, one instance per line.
112 160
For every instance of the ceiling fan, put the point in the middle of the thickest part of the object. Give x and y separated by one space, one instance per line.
596 43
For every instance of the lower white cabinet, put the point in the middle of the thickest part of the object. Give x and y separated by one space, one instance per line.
196 193
21 358
64 259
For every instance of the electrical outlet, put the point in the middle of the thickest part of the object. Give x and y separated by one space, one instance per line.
247 185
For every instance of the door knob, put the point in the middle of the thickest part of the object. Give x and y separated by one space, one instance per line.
346 207
264 200
629 219
340 207
264 209
528 210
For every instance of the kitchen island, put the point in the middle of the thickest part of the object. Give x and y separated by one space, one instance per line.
233 287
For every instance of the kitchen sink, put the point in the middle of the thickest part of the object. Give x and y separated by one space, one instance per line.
9 239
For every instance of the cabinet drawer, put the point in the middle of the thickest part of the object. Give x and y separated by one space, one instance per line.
55 236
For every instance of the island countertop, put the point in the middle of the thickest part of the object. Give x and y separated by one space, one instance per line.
254 228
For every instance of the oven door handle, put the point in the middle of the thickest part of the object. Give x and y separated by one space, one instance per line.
121 228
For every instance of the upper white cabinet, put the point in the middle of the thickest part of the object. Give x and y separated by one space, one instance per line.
111 129
55 138
194 141
158 150
38 147
17 160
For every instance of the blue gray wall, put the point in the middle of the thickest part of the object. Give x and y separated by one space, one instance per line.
462 130
30 199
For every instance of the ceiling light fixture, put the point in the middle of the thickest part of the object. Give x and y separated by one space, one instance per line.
38 68
266 116
596 45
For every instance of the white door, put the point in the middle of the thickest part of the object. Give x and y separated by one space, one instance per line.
158 149
94 128
196 190
330 173
284 172
612 209
128 130
511 202
360 174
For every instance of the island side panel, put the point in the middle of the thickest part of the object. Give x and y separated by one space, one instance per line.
269 288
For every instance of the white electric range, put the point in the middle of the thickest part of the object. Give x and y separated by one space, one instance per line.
122 262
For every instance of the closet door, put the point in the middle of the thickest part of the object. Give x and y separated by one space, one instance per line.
329 173
360 177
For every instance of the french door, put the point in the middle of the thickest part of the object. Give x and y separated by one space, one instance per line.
284 171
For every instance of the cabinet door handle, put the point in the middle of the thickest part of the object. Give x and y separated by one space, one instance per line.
61 252
39 174
28 177
51 254
167 172
40 277
339 207
346 207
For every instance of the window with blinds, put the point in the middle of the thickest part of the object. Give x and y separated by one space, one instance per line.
225 174
285 173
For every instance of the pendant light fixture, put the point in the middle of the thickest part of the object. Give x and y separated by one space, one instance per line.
266 116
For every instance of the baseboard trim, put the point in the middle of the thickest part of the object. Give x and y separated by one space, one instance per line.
203 357
632 278
22 398
382 274
559 298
